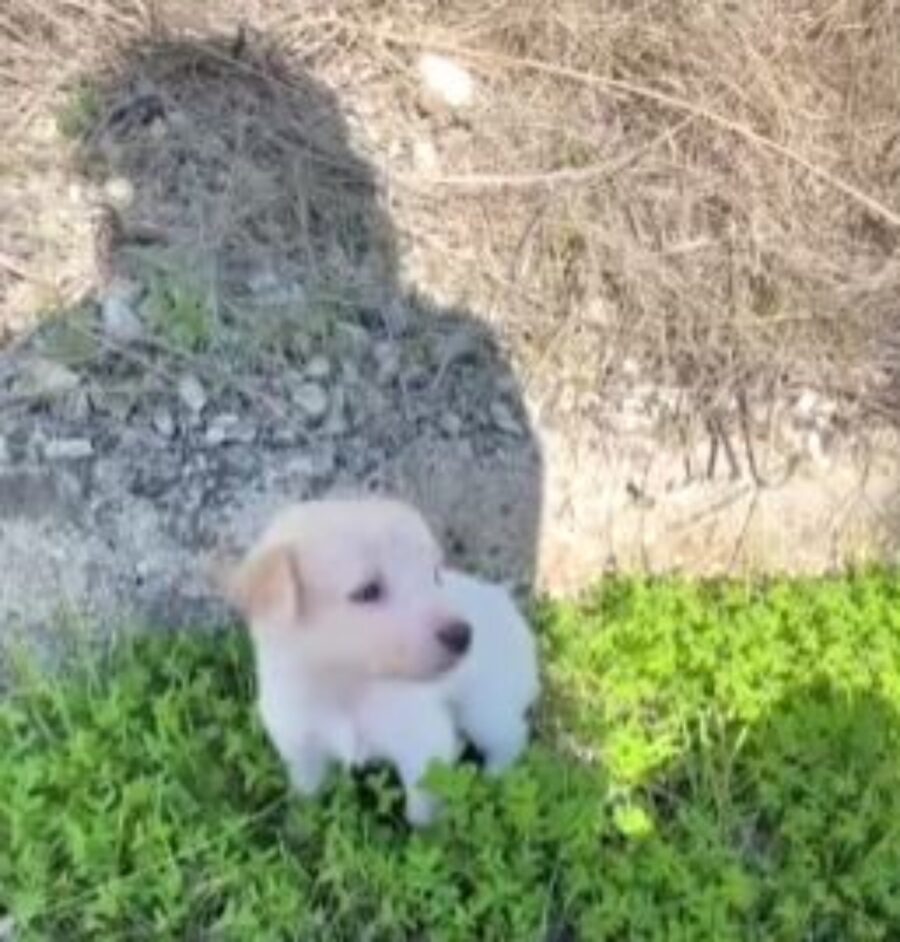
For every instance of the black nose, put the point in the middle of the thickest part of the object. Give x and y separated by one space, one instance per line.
455 637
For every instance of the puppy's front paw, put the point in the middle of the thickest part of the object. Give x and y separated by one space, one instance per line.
307 775
421 808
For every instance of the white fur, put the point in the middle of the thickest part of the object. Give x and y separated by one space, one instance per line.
345 683
495 683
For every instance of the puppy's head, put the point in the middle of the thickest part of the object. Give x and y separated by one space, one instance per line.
352 585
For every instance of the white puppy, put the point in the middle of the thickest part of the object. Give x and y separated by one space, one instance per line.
367 649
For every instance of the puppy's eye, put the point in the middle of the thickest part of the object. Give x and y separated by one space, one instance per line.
372 591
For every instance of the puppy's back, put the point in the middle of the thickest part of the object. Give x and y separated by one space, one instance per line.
501 665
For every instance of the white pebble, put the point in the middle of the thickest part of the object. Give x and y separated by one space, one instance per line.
68 449
312 400
192 393
119 191
120 323
447 79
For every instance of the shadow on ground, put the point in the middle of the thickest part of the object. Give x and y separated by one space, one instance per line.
248 340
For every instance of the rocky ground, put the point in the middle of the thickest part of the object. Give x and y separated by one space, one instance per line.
114 496
119 487
250 327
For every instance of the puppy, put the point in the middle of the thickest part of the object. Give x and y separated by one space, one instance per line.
366 648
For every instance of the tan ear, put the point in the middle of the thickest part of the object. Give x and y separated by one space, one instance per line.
266 585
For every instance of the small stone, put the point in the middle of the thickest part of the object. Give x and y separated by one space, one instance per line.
446 79
630 368
312 400
816 449
325 463
120 322
425 156
68 449
217 433
118 403
451 424
319 367
350 373
351 339
461 346
158 128
300 466
43 377
192 393
268 288
806 405
504 419
76 405
285 436
164 423
119 191
336 423
128 289
263 282
397 317
228 428
387 359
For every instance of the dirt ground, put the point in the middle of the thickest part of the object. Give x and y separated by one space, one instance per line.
247 259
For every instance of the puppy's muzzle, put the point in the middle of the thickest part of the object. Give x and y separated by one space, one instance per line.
456 637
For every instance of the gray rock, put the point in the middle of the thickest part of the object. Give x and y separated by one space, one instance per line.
218 431
397 317
34 446
503 418
68 449
164 423
5 456
119 191
75 406
268 288
43 377
263 282
312 399
319 367
451 424
350 375
387 361
120 322
336 423
457 347
192 393
351 339
227 429
36 494
117 402
285 435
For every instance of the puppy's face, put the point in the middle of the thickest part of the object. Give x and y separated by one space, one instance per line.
352 585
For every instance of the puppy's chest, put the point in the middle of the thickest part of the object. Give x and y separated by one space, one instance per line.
342 732
294 713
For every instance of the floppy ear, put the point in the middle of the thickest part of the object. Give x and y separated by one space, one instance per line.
267 585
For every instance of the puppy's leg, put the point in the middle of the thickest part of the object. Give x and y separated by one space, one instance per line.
411 731
499 735
413 757
307 764
501 751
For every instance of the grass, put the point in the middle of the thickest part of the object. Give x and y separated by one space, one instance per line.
181 313
80 111
714 762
